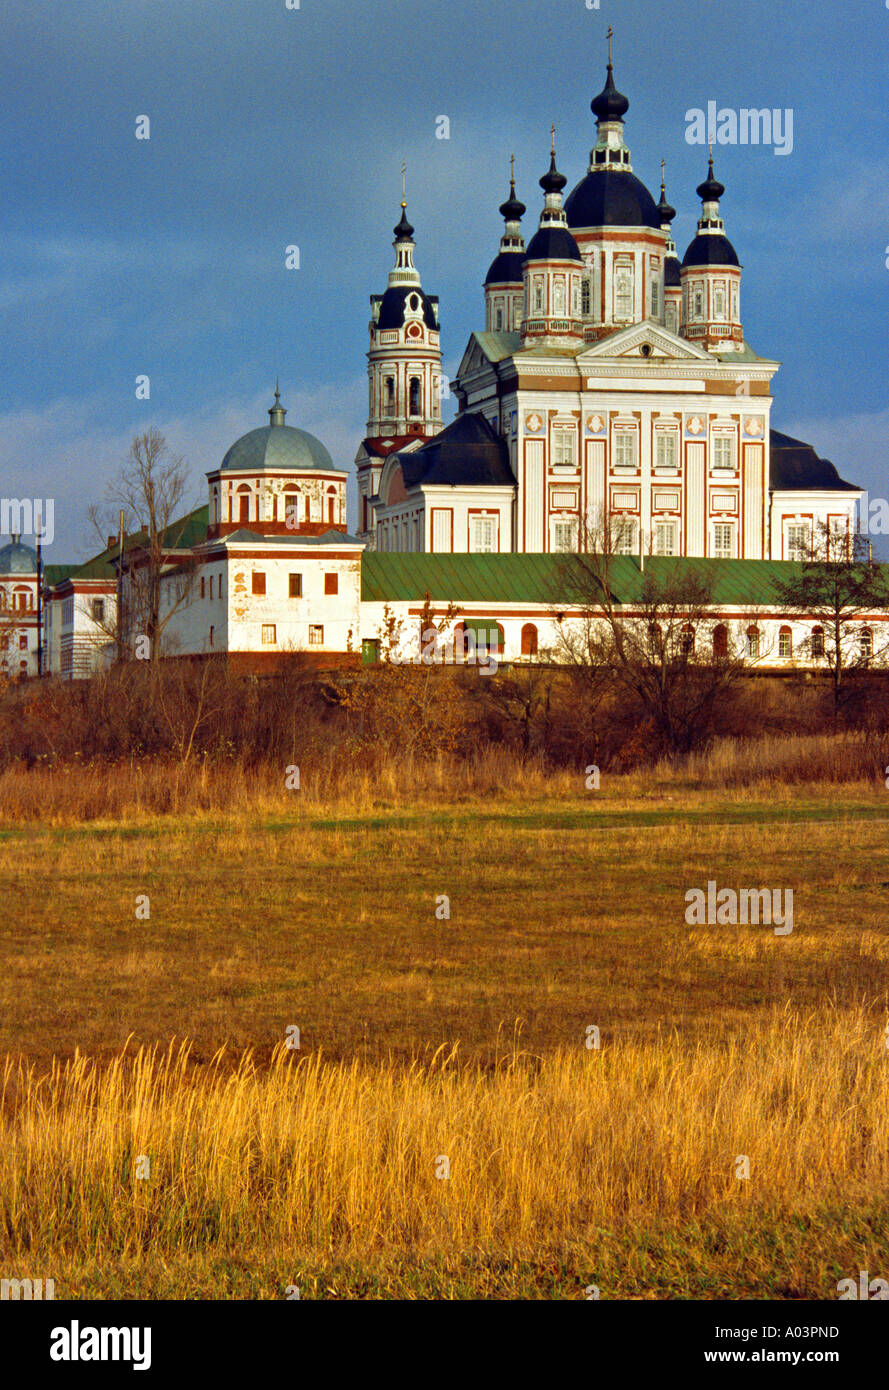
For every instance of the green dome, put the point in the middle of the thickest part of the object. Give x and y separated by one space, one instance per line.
16 558
277 448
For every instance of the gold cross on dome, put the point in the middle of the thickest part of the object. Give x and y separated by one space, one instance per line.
512 168
403 174
553 131
610 37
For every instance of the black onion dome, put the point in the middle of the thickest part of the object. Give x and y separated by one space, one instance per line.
710 249
392 307
512 210
711 190
609 105
506 269
672 275
611 198
553 244
404 231
553 181
665 211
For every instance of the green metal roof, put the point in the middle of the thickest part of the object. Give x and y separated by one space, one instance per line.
54 574
188 531
551 579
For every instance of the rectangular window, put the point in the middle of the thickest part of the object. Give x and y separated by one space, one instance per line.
585 297
268 634
665 538
203 588
211 636
625 449
722 542
624 535
483 535
211 586
258 582
316 635
654 298
331 583
785 642
798 545
98 610
665 451
623 292
563 536
296 586
564 448
23 643
723 451
719 306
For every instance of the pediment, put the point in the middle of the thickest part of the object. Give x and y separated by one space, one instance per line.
473 359
646 341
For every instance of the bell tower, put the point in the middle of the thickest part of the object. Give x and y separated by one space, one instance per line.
404 370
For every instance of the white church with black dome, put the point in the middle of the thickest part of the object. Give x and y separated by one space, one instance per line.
611 385
612 392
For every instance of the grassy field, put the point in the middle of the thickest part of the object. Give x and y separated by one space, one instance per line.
570 1166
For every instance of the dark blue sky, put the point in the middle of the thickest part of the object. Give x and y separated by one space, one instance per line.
271 127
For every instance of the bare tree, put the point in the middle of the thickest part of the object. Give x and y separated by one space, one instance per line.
149 493
646 628
832 588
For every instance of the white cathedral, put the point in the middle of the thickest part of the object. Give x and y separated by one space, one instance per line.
612 386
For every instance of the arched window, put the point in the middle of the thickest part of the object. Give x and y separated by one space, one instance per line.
529 640
585 297
720 642
499 320
331 504
290 503
817 641
785 643
655 641
866 642
753 643
243 503
687 642
415 395
389 396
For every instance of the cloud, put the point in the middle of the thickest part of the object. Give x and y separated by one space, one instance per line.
67 450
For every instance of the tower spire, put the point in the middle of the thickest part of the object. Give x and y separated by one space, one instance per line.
277 411
404 231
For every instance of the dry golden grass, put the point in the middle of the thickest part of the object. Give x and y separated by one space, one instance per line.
568 1166
70 793
295 1167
